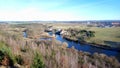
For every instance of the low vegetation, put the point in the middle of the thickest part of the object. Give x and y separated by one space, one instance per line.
78 35
38 61
19 52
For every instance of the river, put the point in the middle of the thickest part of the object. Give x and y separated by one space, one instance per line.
86 47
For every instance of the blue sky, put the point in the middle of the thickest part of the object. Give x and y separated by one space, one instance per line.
59 10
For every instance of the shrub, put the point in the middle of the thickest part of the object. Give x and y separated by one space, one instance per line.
38 61
80 60
53 54
23 49
6 56
19 59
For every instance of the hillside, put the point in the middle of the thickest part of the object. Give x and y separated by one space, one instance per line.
17 51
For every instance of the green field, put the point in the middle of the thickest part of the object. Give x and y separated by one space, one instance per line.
105 34
111 34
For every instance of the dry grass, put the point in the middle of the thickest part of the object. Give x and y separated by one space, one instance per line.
55 54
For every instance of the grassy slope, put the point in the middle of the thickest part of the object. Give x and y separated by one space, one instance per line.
108 34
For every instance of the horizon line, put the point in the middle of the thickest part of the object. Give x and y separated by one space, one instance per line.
61 20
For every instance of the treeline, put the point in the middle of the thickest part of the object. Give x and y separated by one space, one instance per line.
78 35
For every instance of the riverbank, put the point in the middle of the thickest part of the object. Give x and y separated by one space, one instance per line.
94 44
88 48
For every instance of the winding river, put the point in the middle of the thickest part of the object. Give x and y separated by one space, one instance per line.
87 48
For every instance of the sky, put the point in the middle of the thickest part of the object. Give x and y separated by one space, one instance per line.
59 10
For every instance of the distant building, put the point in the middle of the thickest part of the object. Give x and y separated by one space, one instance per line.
116 24
88 23
101 25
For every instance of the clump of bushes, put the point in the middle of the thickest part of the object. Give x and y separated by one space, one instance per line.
19 59
78 35
38 61
80 60
23 49
6 56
